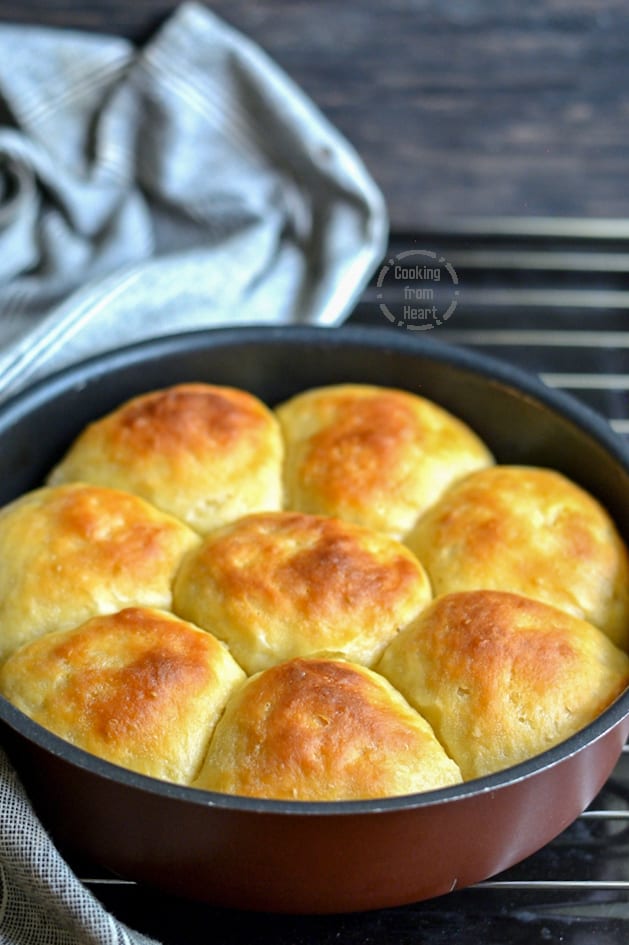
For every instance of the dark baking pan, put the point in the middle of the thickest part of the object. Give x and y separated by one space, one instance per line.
298 856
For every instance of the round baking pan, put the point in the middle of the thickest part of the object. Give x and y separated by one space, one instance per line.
295 856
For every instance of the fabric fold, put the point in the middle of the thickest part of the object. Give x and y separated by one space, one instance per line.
195 157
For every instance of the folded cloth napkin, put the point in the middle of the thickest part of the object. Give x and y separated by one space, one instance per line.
187 184
41 900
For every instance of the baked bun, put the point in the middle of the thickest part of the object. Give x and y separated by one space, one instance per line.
319 730
501 677
139 688
281 584
372 455
72 552
531 531
203 453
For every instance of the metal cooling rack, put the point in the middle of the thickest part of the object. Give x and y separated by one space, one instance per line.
556 303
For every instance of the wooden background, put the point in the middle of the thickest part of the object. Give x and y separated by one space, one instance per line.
460 108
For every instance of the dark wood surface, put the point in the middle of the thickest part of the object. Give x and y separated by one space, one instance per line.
460 109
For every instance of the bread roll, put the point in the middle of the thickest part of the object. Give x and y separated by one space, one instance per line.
501 677
139 688
320 730
372 455
531 531
71 552
282 584
203 453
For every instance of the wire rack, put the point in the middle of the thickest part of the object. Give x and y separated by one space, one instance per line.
555 303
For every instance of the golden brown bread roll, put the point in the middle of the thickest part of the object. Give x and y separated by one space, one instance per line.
501 677
71 552
204 453
532 531
280 584
140 688
321 729
372 455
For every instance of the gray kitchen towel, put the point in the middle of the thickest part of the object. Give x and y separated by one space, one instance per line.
41 900
182 185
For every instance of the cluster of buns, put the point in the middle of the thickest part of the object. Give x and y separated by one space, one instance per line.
342 597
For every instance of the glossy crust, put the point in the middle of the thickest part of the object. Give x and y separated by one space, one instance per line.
204 453
372 455
531 531
320 730
72 552
282 584
139 688
502 677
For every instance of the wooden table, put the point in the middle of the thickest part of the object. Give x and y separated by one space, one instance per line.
460 109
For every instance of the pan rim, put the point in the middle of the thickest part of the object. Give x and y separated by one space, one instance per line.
488 367
77 757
